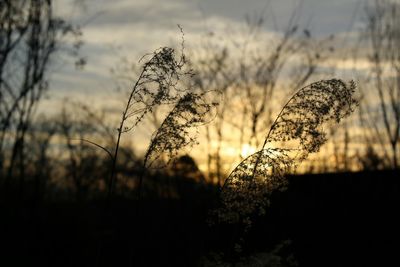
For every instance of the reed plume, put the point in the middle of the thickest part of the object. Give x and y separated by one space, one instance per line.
297 131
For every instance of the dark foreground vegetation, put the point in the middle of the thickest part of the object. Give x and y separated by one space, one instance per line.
347 219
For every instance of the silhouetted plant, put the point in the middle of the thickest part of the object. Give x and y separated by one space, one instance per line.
164 80
157 84
251 71
179 129
174 133
297 131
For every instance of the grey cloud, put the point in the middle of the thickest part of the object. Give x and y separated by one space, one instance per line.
325 16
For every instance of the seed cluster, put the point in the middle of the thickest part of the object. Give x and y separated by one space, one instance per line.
297 131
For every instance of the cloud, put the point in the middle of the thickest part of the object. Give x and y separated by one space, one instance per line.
132 28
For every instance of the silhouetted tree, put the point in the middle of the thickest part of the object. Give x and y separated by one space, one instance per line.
30 35
383 32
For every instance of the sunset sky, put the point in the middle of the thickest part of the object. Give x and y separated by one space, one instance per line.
129 29
125 28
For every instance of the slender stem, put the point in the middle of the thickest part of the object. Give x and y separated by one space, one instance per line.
114 161
120 131
97 145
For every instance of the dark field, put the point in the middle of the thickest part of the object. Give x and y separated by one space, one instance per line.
347 219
